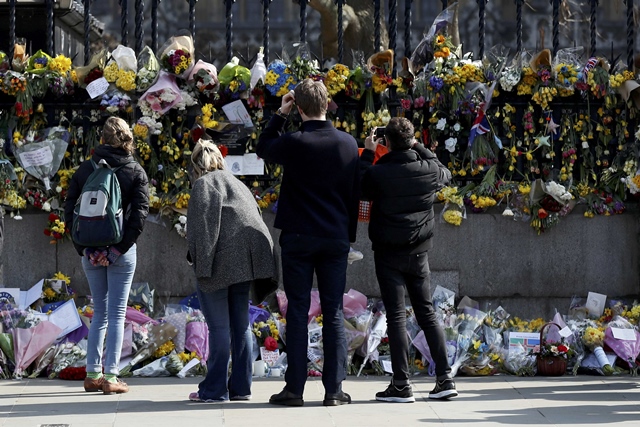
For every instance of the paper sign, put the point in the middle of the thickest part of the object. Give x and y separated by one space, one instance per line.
315 336
565 332
386 365
624 334
237 113
183 372
253 165
248 164
66 317
590 361
39 157
269 357
528 340
595 304
97 87
32 295
10 296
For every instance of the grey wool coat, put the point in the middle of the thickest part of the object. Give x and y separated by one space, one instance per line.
228 240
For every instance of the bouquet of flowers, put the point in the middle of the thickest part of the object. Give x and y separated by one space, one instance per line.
336 79
57 289
160 97
176 56
593 339
204 78
93 70
38 63
67 354
16 84
279 79
114 100
148 69
454 211
234 79
566 68
435 44
258 70
301 64
121 69
627 347
5 64
42 157
56 228
596 75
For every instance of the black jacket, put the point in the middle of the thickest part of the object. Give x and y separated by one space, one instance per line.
134 186
320 191
401 187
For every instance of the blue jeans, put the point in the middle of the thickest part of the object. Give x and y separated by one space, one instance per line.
395 273
301 257
227 314
110 291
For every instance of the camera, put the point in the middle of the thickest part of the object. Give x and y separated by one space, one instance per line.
379 132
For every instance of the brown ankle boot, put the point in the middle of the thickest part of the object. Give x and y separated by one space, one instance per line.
119 387
93 384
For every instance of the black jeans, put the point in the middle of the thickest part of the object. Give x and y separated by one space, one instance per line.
395 273
301 257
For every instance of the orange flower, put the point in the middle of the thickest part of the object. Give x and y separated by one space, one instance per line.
440 39
542 213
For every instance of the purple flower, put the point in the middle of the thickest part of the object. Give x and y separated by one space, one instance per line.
436 83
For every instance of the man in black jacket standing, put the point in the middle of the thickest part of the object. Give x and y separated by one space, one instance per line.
318 214
401 187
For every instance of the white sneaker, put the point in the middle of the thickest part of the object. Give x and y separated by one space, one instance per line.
354 256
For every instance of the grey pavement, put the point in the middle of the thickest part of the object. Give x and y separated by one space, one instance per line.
483 401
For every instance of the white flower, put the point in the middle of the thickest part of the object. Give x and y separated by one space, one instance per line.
456 127
558 191
46 206
58 189
182 219
441 124
507 212
18 217
178 227
450 144
585 145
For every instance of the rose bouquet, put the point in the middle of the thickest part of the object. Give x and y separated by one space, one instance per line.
148 69
176 56
204 79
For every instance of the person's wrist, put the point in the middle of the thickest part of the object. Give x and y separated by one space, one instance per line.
282 113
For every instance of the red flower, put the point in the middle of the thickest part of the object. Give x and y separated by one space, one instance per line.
563 348
223 150
542 213
53 217
47 232
270 344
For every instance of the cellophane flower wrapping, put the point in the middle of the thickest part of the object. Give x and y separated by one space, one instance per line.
258 70
158 335
566 69
627 350
176 55
160 97
41 158
38 63
148 69
67 354
94 70
197 336
204 78
29 343
426 50
5 64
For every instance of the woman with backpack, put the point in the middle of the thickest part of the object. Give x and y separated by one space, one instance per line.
109 260
231 249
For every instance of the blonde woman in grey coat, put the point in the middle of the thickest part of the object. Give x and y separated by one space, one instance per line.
230 247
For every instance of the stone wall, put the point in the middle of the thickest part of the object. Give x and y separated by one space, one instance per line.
490 258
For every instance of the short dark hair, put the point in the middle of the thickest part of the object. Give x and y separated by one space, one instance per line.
312 97
399 133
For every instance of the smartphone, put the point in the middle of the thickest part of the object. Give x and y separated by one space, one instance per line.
379 132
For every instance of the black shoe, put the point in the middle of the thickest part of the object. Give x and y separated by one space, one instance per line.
396 394
286 398
444 389
336 399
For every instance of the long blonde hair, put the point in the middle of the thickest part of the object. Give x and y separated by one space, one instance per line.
206 157
116 132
